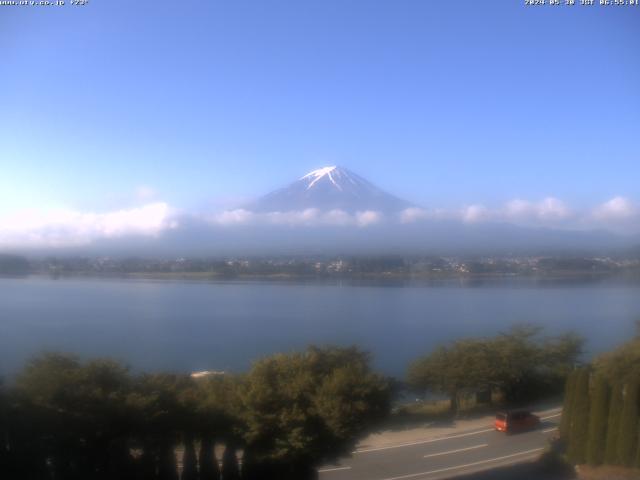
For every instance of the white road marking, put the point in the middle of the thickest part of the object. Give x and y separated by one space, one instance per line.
422 442
413 475
456 451
324 470
551 416
549 430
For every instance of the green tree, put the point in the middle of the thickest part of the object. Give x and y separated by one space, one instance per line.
463 367
628 431
598 421
167 465
189 460
160 416
230 469
209 469
71 420
5 451
518 362
80 412
220 416
578 436
303 409
569 392
518 357
252 470
622 364
528 365
613 425
219 406
558 358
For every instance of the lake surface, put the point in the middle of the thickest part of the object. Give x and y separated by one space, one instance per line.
188 326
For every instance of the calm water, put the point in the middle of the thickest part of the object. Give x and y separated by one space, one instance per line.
186 326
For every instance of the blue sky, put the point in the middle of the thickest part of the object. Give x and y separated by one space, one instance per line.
203 104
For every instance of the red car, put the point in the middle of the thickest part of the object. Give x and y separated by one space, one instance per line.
516 421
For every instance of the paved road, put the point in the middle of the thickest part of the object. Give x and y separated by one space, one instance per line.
457 454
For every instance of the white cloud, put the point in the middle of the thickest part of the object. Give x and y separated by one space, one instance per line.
338 218
416 214
308 217
618 208
234 217
413 214
241 216
475 214
519 209
368 217
66 227
549 209
552 209
69 227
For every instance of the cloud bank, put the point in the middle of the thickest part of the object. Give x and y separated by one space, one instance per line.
616 209
61 228
64 228
310 217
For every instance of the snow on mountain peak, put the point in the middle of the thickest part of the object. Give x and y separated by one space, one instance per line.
320 172
316 175
330 188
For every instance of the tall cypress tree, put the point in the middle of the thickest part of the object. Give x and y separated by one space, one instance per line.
251 468
121 464
4 431
209 469
230 469
565 421
189 460
598 421
146 467
613 425
628 432
578 430
167 468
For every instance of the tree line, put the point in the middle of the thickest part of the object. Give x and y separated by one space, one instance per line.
520 365
68 419
601 414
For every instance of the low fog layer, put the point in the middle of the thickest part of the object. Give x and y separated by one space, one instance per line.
187 235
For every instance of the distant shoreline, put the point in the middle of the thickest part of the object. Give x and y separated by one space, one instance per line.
372 278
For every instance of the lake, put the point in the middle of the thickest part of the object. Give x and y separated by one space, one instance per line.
189 326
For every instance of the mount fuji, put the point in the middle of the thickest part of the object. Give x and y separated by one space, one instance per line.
330 188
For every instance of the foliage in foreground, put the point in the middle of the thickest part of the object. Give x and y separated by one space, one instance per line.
605 397
67 419
519 364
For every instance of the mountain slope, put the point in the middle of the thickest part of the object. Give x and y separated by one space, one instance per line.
330 188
